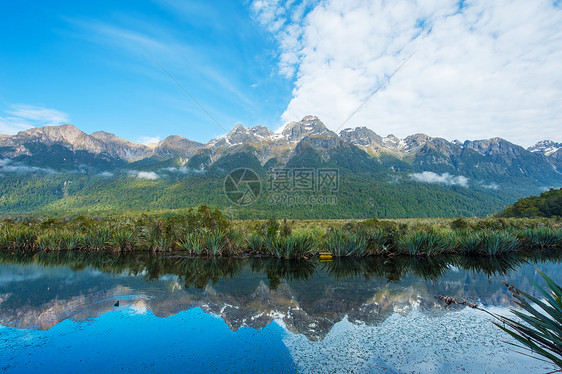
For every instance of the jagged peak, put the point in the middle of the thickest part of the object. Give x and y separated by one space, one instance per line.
309 125
495 145
547 148
361 136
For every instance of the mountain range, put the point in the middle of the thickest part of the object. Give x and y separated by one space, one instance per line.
55 169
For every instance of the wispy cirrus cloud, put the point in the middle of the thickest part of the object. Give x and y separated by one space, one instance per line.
135 39
481 68
22 117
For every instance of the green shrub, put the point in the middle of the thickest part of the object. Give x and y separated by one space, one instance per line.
543 237
496 243
286 228
459 224
192 243
271 227
215 242
425 243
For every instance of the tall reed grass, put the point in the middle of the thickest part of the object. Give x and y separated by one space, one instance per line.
205 233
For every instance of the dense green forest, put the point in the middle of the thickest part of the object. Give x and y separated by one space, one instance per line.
548 204
358 196
367 187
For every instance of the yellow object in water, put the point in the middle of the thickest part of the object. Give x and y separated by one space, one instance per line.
325 256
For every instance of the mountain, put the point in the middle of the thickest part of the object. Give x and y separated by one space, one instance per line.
58 169
547 148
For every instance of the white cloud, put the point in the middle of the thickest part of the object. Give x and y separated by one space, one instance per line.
490 68
183 170
445 178
23 117
150 175
148 140
490 186
8 166
106 174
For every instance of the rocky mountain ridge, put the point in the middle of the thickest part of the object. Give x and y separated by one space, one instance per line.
263 143
547 148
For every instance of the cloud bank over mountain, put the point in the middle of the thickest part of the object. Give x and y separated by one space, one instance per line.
479 68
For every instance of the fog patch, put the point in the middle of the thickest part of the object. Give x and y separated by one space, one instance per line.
9 166
149 175
490 186
445 178
183 170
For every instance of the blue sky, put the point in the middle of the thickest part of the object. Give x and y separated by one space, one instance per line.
87 60
478 68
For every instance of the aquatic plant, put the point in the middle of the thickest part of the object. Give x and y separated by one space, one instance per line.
379 241
97 239
540 327
425 243
215 242
235 241
255 243
341 243
192 243
542 236
469 242
538 324
18 238
496 243
293 247
355 238
122 240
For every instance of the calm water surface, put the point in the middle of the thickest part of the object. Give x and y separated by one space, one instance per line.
178 314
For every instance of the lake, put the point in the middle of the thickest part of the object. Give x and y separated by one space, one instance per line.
180 314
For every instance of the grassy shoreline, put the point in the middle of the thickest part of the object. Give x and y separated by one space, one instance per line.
206 232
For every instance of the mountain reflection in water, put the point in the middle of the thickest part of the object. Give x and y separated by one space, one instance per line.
311 300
